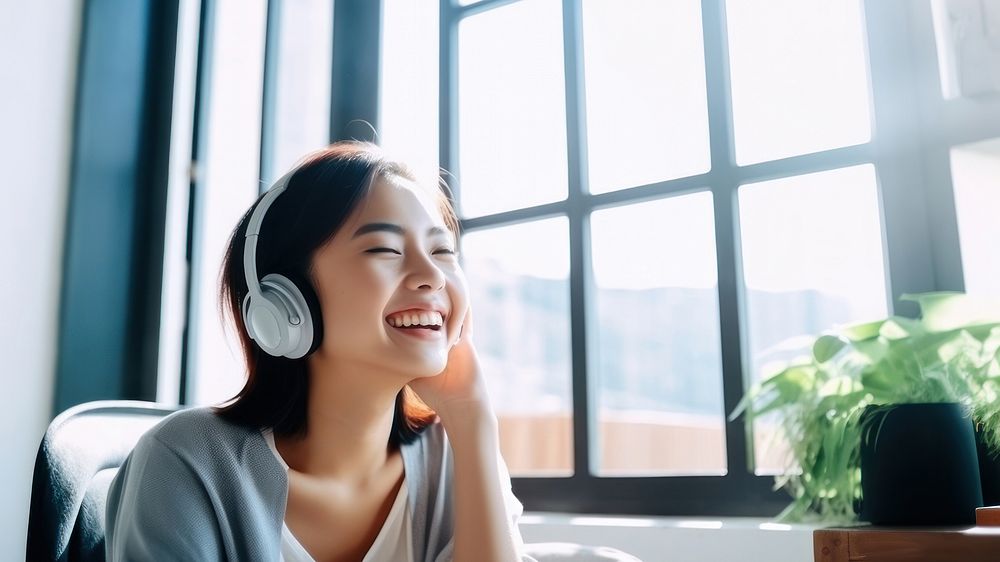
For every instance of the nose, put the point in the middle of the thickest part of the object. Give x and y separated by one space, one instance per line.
424 273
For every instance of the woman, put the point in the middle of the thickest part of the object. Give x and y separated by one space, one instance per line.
364 430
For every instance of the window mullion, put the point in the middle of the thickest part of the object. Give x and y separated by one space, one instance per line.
724 181
579 240
357 50
448 97
272 42
196 196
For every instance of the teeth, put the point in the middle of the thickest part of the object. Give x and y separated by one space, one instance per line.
415 319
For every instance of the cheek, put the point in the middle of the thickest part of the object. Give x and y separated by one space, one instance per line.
352 309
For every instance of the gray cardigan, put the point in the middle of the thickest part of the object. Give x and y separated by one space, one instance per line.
197 487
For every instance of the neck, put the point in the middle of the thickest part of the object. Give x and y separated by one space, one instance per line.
349 416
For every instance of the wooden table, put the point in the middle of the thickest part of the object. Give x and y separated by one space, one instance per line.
883 544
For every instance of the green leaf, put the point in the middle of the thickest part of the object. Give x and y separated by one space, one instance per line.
873 350
840 403
948 310
775 392
962 344
881 384
839 386
899 327
991 344
826 347
861 332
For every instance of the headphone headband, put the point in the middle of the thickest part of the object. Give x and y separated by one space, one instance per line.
253 230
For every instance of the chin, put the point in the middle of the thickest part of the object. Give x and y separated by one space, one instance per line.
425 369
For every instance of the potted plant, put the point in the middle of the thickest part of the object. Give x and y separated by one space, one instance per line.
951 354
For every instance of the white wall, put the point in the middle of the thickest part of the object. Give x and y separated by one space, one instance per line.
38 54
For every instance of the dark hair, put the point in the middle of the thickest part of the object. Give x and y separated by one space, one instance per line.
323 190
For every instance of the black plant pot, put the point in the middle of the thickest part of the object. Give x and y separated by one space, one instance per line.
989 472
919 466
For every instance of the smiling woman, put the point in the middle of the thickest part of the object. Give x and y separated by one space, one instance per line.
317 233
345 290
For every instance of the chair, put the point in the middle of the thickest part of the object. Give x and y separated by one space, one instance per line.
78 457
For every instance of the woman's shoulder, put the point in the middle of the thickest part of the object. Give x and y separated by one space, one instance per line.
201 431
186 486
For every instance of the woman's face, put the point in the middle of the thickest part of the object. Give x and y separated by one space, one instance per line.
392 262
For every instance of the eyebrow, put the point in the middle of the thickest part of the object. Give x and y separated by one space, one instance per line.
393 228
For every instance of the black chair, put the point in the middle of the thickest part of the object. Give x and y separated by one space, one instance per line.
79 456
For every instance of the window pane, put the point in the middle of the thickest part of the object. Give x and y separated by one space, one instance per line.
408 103
812 259
799 77
512 108
660 365
967 47
302 101
975 170
230 186
518 279
645 75
173 295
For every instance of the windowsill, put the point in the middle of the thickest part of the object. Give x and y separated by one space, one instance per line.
684 538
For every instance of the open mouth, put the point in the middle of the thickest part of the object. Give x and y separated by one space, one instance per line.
418 327
417 322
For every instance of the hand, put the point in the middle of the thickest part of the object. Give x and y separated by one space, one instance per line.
460 389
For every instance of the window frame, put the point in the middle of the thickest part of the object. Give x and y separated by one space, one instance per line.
915 129
917 211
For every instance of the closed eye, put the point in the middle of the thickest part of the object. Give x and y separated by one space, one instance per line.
383 250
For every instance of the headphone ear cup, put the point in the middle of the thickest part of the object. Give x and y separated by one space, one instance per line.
263 321
315 310
281 323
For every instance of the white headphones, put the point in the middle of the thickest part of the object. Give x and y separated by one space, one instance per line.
276 314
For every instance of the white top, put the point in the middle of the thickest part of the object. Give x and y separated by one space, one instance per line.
392 544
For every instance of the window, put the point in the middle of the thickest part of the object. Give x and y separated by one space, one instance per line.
796 100
511 108
301 37
975 169
227 182
647 114
657 198
265 97
658 355
519 288
408 82
812 259
689 158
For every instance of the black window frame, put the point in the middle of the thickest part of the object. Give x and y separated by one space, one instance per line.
916 215
914 130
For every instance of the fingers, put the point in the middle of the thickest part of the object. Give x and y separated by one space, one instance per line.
465 330
467 325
